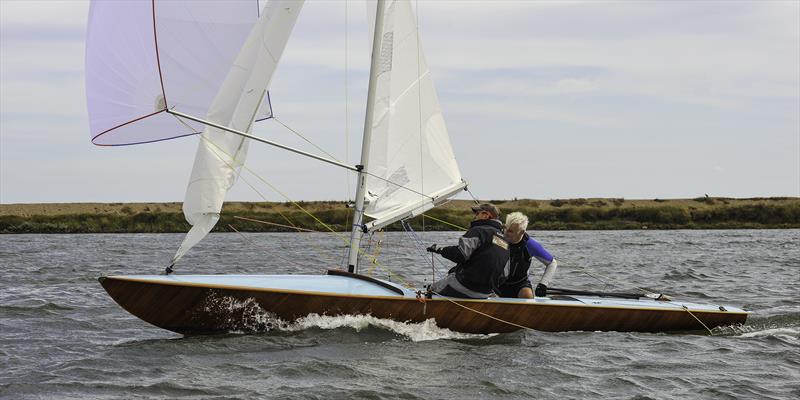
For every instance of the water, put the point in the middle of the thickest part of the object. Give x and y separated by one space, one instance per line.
61 336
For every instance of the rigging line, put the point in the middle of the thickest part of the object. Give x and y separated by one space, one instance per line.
345 249
255 245
420 247
344 239
335 159
445 222
332 231
475 199
262 140
346 93
275 224
710 333
367 249
259 177
376 254
300 135
291 149
483 313
246 181
419 113
399 185
608 281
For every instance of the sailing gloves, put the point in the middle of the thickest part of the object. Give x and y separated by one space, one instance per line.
541 290
434 249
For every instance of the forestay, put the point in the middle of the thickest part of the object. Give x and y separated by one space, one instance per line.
410 151
220 154
143 57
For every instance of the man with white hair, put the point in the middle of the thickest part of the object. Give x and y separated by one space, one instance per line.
523 249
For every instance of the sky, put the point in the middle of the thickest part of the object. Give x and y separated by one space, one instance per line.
542 99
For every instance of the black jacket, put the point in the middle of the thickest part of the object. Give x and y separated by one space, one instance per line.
520 261
481 256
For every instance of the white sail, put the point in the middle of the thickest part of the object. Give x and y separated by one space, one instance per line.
220 154
410 148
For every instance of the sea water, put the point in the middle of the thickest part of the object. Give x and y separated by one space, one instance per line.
61 335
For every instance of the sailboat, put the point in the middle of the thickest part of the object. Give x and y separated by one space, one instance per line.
158 70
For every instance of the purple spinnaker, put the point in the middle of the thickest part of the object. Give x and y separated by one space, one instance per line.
145 56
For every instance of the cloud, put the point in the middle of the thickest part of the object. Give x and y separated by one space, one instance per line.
594 96
42 16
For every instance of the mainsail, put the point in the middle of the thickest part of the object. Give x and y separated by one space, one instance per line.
411 161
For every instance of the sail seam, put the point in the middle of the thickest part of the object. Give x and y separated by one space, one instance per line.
158 59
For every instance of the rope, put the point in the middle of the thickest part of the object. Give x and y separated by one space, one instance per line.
319 250
253 244
376 253
475 199
247 182
398 185
445 222
344 239
275 224
481 313
346 93
419 246
305 138
335 159
275 189
698 320
419 114
599 278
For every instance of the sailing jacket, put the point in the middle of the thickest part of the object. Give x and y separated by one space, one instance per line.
521 254
481 257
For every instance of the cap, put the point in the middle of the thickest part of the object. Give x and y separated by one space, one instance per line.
488 207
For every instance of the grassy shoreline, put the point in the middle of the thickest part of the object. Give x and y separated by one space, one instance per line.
559 214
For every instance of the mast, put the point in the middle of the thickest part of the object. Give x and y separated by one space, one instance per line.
358 215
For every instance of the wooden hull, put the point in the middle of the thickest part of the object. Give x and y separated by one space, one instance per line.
192 308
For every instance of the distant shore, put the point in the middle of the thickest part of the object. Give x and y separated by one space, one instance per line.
558 214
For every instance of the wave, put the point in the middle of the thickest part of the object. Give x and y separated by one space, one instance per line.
416 332
686 274
784 327
246 316
42 308
791 335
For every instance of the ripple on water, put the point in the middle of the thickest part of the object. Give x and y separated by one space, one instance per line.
62 336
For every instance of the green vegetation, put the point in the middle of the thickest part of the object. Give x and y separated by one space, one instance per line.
558 214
